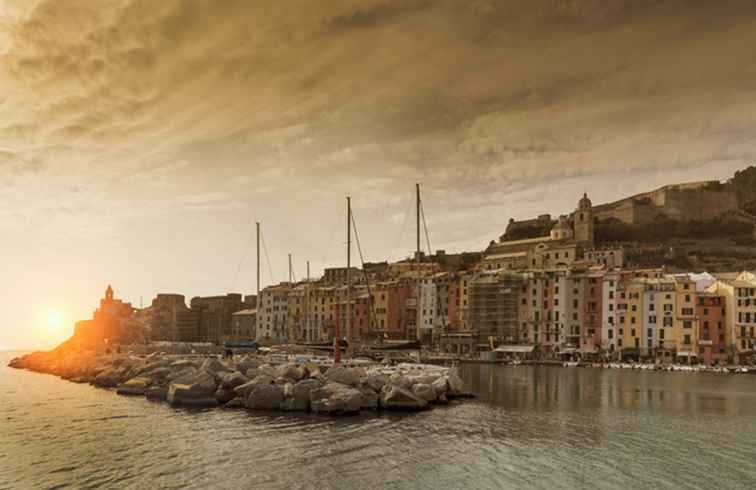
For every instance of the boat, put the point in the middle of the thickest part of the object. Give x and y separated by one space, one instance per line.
571 364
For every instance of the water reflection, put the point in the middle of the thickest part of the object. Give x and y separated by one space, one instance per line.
529 427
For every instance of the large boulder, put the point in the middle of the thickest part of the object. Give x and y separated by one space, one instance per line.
401 381
237 402
134 387
298 395
375 381
157 393
370 398
232 380
336 398
245 389
440 387
291 372
344 375
224 395
424 392
394 397
183 364
201 392
268 370
265 397
456 387
109 378
215 368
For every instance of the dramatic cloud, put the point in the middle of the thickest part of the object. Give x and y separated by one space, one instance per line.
159 131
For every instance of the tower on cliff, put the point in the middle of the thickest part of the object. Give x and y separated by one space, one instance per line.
584 220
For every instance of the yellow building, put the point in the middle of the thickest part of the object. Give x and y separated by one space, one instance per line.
686 321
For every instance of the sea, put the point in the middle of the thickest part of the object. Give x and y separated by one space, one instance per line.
529 427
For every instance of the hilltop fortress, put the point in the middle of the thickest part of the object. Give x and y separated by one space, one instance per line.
569 240
700 201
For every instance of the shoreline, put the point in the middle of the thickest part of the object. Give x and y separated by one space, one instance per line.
253 383
624 366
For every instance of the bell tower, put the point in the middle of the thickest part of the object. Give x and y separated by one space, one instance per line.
109 293
583 220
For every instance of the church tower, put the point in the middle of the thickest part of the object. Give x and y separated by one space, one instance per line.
109 293
583 221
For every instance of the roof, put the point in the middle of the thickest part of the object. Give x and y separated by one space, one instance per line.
506 256
245 312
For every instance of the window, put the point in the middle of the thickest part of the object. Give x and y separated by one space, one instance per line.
687 340
687 324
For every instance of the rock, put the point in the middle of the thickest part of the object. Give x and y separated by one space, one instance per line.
183 364
213 365
232 380
134 387
108 378
157 393
181 375
224 395
344 375
394 397
246 363
456 387
336 398
311 370
268 370
440 387
424 392
201 392
252 373
265 397
370 399
376 382
290 371
237 402
298 395
401 381
245 389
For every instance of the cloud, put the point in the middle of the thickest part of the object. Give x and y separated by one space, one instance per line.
152 134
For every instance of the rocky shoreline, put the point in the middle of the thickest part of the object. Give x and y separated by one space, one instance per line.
252 383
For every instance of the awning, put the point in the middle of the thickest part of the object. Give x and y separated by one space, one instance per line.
590 349
567 350
518 349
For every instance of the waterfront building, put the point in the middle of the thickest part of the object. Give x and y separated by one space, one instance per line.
163 316
215 316
337 276
609 311
494 299
272 319
712 341
739 292
243 326
592 312
686 322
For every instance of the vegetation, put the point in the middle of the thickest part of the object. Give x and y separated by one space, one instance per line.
663 229
744 183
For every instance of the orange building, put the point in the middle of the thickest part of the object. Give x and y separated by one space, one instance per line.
711 311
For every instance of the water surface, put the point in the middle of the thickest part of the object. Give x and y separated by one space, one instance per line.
530 427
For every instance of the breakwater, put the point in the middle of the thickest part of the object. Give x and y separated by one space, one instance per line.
252 383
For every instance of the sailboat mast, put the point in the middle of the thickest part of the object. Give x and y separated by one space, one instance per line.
308 334
349 276
257 301
417 262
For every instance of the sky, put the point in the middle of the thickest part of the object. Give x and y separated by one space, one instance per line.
141 140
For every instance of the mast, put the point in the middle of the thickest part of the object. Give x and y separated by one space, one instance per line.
291 281
257 300
349 277
308 336
417 263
